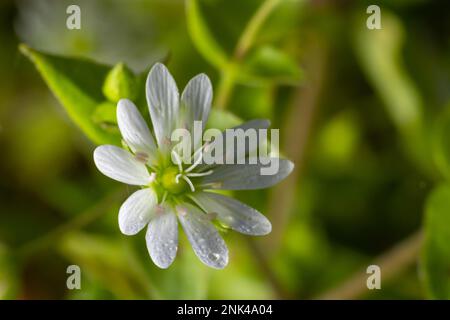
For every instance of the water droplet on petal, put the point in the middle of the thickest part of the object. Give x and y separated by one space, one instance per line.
214 256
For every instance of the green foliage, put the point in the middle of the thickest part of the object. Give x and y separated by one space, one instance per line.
347 123
202 37
436 251
269 64
104 116
77 83
253 102
120 83
380 55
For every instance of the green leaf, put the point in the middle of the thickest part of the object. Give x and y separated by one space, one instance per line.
104 115
269 64
202 37
77 84
435 259
253 102
379 52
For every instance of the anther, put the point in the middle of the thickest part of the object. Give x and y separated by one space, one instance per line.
141 156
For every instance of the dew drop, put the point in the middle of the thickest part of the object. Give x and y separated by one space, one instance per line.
214 256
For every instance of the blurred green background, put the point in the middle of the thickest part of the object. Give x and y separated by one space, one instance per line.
364 114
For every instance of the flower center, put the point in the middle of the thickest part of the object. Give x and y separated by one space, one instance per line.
171 183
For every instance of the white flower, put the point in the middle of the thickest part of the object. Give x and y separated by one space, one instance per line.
176 192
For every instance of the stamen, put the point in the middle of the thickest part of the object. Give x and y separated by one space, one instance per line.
141 156
202 174
196 152
177 177
196 163
188 182
182 211
178 160
200 150
152 177
166 141
159 210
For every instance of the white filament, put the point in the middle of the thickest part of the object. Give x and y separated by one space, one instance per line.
186 174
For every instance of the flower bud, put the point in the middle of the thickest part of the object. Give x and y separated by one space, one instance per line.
120 83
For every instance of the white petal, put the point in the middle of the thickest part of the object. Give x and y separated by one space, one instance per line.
233 213
134 130
136 211
195 105
245 176
162 238
255 124
163 102
196 99
206 241
120 165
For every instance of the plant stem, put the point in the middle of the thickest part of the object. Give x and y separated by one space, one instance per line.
228 75
299 124
225 88
391 263
248 36
84 218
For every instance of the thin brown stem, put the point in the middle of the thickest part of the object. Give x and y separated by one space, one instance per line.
391 264
298 129
245 42
248 36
